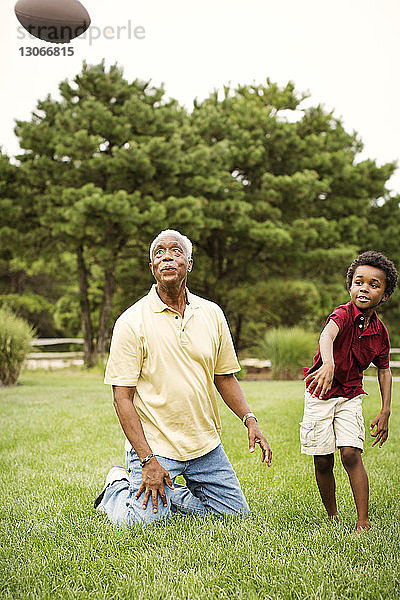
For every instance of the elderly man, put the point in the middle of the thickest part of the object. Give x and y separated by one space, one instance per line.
168 351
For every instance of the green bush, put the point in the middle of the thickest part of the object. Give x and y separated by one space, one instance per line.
242 373
289 349
15 341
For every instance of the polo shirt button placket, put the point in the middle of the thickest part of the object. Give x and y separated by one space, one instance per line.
177 326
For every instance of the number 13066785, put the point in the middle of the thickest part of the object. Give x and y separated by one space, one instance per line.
46 51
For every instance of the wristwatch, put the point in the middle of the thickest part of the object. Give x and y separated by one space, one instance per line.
146 459
247 416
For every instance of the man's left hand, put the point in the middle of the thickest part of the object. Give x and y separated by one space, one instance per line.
256 437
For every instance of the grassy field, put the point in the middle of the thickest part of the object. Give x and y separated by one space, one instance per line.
59 437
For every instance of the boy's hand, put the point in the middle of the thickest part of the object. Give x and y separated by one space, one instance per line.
320 382
381 422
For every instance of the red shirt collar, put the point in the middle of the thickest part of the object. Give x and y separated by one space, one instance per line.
357 314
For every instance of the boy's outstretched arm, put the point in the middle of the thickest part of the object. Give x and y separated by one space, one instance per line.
381 421
320 381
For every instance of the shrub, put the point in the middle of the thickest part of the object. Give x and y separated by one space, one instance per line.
15 341
289 350
242 373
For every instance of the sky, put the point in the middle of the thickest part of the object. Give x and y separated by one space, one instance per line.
343 53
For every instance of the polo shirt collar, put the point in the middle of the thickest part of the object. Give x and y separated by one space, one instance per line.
192 299
357 314
158 306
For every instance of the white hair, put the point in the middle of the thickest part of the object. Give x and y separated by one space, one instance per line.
186 243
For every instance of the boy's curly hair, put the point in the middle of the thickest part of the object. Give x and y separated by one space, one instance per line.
378 260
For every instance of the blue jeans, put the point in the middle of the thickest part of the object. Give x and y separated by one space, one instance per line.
212 488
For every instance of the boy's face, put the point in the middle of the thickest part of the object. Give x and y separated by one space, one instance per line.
368 287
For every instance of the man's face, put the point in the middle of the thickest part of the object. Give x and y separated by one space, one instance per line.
368 287
170 265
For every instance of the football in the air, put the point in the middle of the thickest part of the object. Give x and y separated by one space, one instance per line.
53 20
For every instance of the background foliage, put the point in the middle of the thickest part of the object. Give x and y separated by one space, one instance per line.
274 197
15 342
289 349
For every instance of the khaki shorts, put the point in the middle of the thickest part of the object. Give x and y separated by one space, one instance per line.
331 424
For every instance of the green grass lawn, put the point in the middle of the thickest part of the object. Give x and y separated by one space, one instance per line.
59 437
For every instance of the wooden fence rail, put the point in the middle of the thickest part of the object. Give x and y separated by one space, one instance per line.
54 360
55 341
59 360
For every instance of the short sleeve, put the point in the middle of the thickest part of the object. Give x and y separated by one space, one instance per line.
381 360
340 316
126 356
227 361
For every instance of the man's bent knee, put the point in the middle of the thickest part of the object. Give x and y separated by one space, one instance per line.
137 516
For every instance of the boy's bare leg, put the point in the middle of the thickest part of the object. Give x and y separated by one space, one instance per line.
352 462
323 465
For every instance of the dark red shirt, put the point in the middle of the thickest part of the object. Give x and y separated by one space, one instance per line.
354 350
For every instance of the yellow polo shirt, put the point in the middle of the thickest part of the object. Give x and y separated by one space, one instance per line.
172 362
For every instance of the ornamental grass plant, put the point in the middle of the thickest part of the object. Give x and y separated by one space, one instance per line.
16 336
289 349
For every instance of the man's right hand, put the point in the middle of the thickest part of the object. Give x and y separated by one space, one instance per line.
153 478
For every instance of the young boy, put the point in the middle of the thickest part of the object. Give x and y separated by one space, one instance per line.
352 339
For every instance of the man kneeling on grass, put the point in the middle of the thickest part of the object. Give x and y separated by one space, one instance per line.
167 352
352 339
